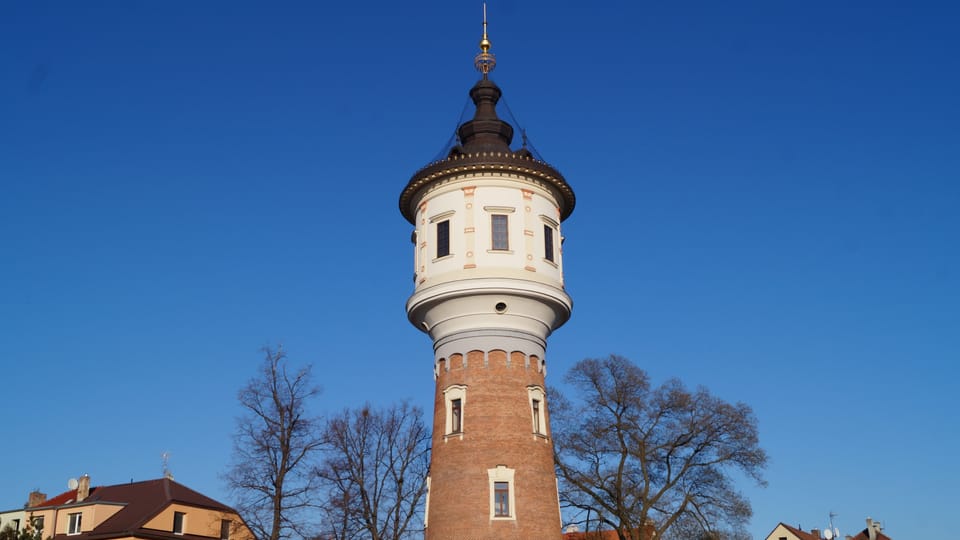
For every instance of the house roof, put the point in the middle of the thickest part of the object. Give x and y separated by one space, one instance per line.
594 535
141 501
799 533
865 535
66 497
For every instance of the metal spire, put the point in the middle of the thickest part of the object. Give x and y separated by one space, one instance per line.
485 61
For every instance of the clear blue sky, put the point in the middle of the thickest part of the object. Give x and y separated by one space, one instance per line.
767 205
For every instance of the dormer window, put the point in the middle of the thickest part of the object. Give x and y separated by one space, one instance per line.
178 518
73 523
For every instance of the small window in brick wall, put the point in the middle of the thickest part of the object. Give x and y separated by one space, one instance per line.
455 398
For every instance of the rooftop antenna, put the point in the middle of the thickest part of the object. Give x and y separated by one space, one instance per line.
165 461
485 61
831 532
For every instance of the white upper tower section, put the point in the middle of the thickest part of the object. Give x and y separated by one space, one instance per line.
488 258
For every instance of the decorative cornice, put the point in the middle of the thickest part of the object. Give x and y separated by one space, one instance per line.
520 162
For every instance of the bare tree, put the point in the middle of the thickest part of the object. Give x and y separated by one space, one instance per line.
375 473
658 461
275 447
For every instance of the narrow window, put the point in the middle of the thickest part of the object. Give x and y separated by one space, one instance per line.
456 412
224 529
536 416
178 522
548 243
455 399
501 499
73 527
16 524
501 240
443 238
37 523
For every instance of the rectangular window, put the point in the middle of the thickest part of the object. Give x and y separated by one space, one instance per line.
456 412
225 529
536 416
548 243
73 527
443 238
16 524
501 499
37 523
498 223
178 522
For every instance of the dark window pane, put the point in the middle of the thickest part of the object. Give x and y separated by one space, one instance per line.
536 416
499 228
456 410
443 238
548 242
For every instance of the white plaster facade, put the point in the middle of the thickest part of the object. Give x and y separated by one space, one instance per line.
475 287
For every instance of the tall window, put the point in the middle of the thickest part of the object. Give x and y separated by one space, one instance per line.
537 396
548 242
536 415
456 413
73 526
455 399
499 230
501 499
224 529
16 524
443 238
37 523
178 522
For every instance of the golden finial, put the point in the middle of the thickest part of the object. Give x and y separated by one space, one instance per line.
485 61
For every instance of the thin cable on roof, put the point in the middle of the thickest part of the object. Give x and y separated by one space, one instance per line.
525 141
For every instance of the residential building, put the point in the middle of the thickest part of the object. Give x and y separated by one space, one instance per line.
159 509
782 531
785 532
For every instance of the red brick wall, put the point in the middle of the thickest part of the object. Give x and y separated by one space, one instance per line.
497 431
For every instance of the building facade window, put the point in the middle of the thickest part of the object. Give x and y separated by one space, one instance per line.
456 414
443 238
538 415
503 504
37 524
178 518
499 229
455 400
73 523
225 525
15 524
501 499
548 251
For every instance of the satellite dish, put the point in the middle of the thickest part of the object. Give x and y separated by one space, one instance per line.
72 483
828 534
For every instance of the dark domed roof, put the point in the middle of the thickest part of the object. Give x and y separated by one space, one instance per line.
485 146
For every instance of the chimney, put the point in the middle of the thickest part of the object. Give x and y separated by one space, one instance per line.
83 488
815 532
871 530
36 498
